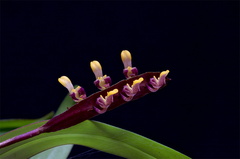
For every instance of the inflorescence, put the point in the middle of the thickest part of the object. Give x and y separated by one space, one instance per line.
103 81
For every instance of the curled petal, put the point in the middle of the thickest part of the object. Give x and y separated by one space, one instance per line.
126 98
162 78
81 92
135 85
103 82
130 72
100 111
131 91
157 83
110 93
128 90
104 103
78 94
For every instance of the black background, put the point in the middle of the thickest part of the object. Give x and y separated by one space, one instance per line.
196 114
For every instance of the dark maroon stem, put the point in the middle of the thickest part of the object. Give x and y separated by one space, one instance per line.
85 109
22 137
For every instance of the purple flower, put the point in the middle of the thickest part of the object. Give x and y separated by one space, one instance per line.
76 94
102 82
128 70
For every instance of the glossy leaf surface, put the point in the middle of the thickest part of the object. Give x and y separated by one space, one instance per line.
10 124
92 134
59 152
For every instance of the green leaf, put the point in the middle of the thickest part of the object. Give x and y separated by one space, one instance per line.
92 134
62 152
10 124
59 152
66 103
15 123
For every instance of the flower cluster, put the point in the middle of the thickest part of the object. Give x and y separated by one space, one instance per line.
128 91
110 97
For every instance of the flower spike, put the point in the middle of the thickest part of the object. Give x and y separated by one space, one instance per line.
76 94
102 82
104 103
156 83
110 97
128 70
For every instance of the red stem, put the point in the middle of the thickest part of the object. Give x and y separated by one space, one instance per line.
84 109
22 137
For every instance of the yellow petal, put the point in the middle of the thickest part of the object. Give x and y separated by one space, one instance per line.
126 58
112 92
163 74
96 68
137 81
66 82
